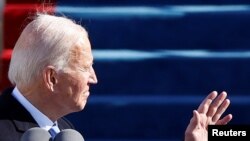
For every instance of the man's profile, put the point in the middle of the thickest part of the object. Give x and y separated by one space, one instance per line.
52 73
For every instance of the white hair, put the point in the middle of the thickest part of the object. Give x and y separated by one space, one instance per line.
47 40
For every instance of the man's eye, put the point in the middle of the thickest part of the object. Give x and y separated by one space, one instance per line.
85 69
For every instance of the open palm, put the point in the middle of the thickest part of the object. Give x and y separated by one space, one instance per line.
208 113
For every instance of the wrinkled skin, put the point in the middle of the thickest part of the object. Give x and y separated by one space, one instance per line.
208 113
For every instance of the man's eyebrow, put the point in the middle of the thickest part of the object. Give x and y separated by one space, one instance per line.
88 64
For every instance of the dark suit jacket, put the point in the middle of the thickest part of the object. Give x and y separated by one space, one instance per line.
15 119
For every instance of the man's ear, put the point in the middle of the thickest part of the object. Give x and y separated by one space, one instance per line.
49 77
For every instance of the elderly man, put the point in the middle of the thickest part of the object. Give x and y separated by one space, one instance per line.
51 69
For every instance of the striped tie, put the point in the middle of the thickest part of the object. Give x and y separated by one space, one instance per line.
54 130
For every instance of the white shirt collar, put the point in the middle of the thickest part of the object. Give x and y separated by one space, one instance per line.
42 120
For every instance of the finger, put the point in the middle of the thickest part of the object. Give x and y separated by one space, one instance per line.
221 110
216 104
193 123
225 120
203 108
195 119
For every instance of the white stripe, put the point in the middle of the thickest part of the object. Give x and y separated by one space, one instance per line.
122 100
211 8
116 55
146 11
115 11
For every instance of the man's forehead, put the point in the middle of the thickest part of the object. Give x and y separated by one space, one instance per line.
83 45
86 56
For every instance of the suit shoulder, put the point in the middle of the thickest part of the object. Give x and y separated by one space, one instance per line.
64 123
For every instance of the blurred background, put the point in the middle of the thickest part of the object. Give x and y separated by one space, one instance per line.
155 61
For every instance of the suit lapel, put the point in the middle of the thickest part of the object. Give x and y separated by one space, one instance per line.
19 115
63 123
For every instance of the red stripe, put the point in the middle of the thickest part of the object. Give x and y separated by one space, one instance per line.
28 1
15 18
6 54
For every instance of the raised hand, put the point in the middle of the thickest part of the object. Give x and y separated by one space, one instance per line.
208 113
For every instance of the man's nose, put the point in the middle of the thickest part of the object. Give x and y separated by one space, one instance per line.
93 77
